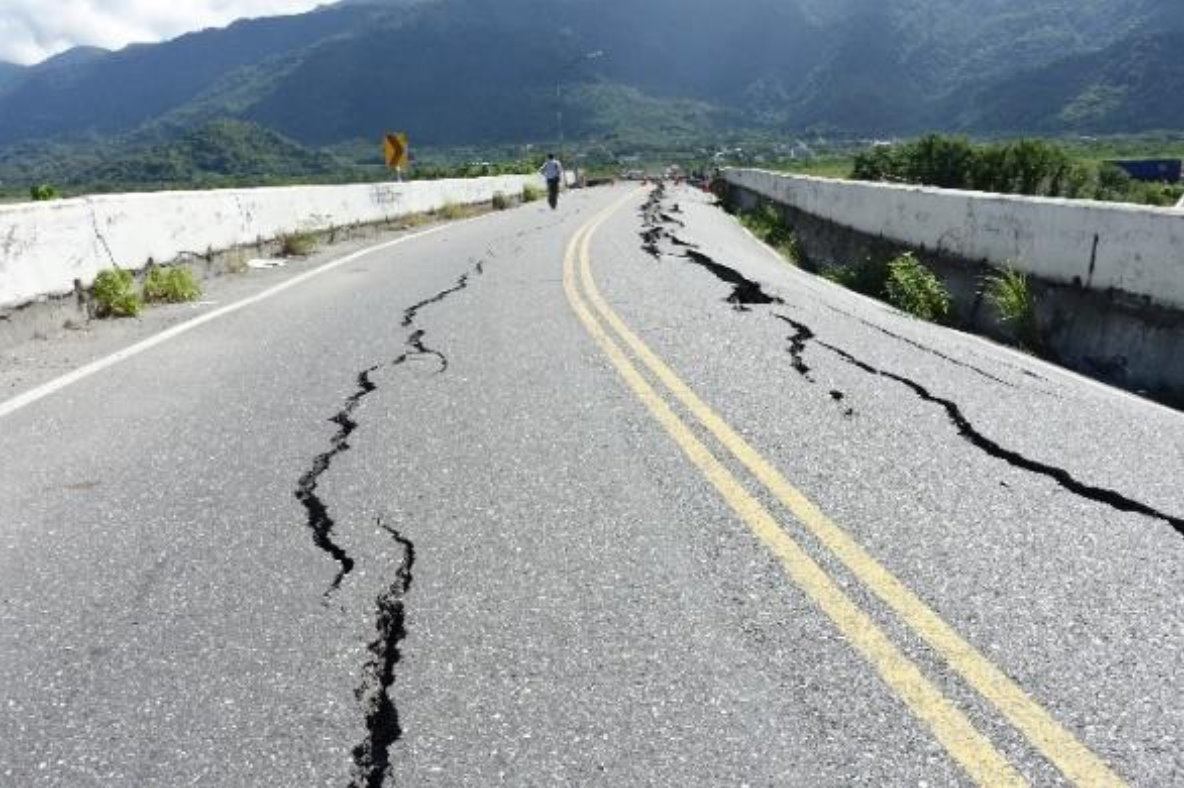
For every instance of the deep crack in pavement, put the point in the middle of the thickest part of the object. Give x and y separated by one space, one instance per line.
372 764
320 522
372 757
968 432
745 292
797 345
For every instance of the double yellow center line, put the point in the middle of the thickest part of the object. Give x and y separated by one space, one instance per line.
965 744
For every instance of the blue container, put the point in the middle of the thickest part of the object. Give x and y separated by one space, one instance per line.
1163 170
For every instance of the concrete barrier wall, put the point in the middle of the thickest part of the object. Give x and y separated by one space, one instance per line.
45 247
1099 246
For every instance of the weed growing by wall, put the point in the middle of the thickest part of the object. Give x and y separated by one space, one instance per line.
767 223
297 244
914 288
115 294
1010 294
173 285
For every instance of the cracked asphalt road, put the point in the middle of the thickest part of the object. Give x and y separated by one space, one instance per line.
404 524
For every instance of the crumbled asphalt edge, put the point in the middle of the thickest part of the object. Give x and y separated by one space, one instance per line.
651 221
372 757
969 433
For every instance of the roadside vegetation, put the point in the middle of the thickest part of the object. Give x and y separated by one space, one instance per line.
767 223
914 288
42 193
171 285
299 244
907 283
1010 294
1027 166
115 294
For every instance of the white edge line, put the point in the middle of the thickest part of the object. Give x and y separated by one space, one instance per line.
46 389
1047 366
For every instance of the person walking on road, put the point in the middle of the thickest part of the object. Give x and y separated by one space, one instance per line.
552 170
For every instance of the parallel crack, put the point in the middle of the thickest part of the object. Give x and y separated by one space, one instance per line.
968 432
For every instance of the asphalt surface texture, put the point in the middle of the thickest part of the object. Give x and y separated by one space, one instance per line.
411 522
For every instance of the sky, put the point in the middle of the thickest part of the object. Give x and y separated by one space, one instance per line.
32 30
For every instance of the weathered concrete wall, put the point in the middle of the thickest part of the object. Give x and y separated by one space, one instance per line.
45 247
1131 339
1098 246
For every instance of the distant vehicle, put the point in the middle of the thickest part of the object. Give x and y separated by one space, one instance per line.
1161 170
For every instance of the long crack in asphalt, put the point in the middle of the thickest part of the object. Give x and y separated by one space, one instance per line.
968 432
320 522
371 757
745 292
748 293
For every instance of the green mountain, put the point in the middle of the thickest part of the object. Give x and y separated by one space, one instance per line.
217 152
474 72
1134 82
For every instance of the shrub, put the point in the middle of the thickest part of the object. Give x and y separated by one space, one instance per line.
43 192
531 193
915 289
297 244
767 223
451 211
869 277
173 285
1012 298
115 294
500 201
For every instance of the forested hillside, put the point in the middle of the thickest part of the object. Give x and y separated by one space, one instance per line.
468 72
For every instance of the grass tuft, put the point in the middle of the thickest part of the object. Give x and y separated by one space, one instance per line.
172 285
115 294
531 193
1012 298
913 288
298 244
767 223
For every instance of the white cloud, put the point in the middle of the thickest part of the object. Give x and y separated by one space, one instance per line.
32 30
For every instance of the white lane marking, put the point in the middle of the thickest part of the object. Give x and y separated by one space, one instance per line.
52 387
